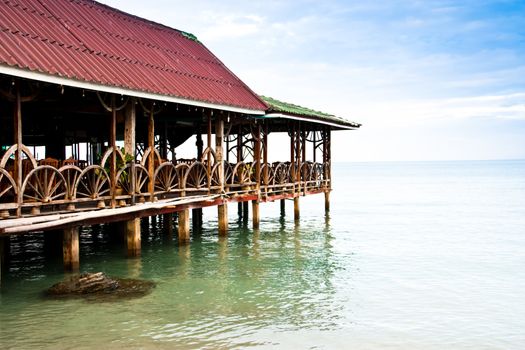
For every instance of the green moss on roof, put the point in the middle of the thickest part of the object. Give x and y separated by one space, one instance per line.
189 36
289 108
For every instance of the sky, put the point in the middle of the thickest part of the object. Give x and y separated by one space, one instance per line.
429 80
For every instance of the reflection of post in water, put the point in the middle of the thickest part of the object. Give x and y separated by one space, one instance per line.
134 267
184 258
255 244
223 255
297 238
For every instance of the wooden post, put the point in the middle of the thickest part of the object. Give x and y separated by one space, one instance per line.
4 255
296 211
255 214
283 207
327 201
184 226
113 145
130 143
133 237
222 211
196 213
196 219
245 210
70 248
151 146
18 140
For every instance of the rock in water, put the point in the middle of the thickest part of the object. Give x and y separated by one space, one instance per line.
98 286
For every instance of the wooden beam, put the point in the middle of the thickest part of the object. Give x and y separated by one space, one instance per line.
255 214
133 237
151 146
296 210
70 248
184 226
18 140
222 211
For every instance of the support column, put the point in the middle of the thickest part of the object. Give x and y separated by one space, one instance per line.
283 207
184 226
18 140
151 146
133 237
4 255
245 210
70 248
222 211
327 201
130 143
113 145
255 214
296 211
196 215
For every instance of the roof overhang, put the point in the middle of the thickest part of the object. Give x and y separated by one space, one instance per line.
53 79
337 126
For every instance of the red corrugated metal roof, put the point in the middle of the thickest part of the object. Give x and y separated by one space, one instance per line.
87 41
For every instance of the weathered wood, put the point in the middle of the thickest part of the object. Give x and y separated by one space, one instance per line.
130 144
184 226
133 237
255 214
283 207
151 146
113 145
196 219
70 248
18 140
222 211
327 201
245 210
296 210
13 226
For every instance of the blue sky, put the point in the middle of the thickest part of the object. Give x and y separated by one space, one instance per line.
429 80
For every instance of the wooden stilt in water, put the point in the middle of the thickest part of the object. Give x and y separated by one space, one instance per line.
184 226
70 249
283 207
327 201
196 219
255 214
133 237
239 209
4 255
167 224
245 210
296 211
222 211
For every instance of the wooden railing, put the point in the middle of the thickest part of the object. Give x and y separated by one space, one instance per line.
50 189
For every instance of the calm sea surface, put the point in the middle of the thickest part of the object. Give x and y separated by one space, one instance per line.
413 256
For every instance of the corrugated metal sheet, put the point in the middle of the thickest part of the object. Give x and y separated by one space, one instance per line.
88 41
285 108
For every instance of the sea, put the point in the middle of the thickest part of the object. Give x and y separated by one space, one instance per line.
412 255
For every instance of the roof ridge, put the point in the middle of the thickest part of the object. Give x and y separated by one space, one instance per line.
113 11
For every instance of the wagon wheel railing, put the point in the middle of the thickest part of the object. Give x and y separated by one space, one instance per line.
167 178
92 183
124 179
196 177
8 188
44 184
71 173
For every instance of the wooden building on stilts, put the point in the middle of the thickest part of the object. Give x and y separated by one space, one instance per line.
94 104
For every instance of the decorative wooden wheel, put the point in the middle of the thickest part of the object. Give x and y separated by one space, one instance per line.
44 184
92 183
280 174
124 177
197 176
7 187
71 174
166 178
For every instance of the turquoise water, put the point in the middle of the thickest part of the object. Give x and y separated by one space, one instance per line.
412 256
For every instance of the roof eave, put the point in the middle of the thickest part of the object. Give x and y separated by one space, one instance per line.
335 125
54 79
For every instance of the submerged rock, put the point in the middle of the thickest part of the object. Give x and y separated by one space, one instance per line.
98 286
